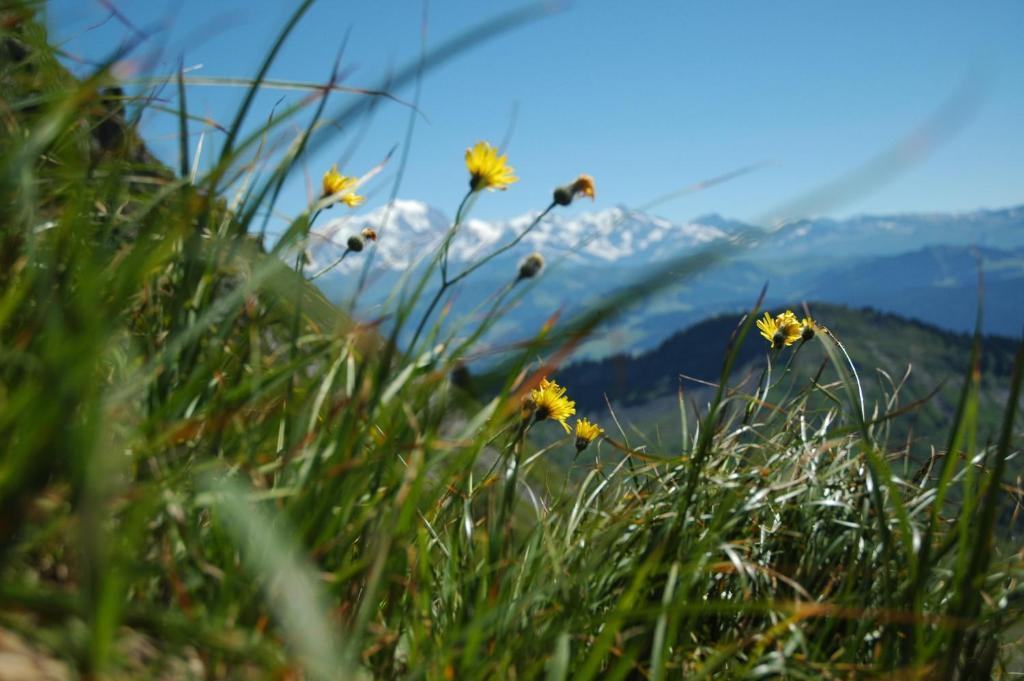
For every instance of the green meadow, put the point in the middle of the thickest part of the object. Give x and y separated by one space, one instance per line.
210 470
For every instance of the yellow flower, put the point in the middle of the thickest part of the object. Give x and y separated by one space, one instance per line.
352 199
335 183
487 170
584 185
807 328
586 432
549 402
782 331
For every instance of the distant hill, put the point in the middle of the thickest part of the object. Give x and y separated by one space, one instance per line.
643 389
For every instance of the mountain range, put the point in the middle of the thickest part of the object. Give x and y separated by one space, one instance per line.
919 265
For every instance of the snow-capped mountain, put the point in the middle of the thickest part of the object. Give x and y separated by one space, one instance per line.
899 263
409 229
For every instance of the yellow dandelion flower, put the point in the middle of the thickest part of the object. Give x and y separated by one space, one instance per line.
352 199
807 328
768 328
785 318
586 432
549 402
782 331
488 170
336 183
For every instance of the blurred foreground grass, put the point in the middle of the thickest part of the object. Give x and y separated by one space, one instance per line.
210 471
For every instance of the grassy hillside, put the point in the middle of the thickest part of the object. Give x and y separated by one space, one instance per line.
210 472
883 347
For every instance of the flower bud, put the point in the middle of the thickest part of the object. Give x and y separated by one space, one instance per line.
584 184
531 266
355 243
563 196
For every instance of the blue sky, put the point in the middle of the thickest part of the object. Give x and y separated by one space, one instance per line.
647 97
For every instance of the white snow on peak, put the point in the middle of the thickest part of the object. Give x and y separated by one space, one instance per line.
410 230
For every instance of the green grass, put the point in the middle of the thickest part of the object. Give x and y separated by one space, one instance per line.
885 348
211 471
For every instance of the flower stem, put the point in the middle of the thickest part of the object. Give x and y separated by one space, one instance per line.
536 221
451 235
446 283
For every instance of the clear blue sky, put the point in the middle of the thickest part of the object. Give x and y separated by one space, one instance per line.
645 96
